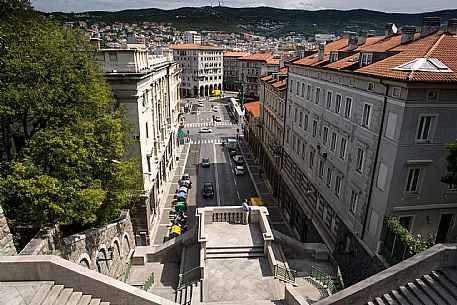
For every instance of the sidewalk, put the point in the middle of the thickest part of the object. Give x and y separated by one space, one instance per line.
277 220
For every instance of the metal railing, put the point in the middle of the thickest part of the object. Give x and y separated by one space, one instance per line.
285 274
127 271
390 258
337 271
324 278
148 283
189 277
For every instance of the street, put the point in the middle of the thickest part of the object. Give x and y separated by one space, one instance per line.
228 188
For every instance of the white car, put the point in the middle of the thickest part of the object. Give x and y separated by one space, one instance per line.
215 108
238 159
239 170
205 130
200 104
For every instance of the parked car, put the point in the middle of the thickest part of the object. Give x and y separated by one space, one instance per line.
239 170
216 118
215 109
205 130
185 180
233 153
238 159
208 190
200 104
205 162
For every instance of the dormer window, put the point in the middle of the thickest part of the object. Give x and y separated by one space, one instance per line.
366 59
333 56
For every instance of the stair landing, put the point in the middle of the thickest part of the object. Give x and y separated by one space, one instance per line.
223 234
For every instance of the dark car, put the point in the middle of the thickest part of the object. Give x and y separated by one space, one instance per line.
208 190
205 162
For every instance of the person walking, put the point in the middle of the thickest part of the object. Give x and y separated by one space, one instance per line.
246 209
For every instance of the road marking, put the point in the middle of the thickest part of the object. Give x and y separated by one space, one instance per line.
217 179
238 194
234 180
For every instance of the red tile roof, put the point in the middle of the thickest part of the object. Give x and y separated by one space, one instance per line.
311 60
274 61
235 54
279 84
266 78
194 46
254 108
439 45
258 57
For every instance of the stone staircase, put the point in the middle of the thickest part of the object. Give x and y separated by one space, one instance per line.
438 287
191 294
44 293
234 252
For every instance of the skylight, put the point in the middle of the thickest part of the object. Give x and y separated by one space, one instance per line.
424 65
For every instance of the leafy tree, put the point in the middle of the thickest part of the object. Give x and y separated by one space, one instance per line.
62 136
451 177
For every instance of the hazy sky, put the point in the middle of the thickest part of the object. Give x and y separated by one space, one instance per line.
400 6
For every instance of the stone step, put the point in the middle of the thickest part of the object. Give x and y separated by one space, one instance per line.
439 289
234 255
388 299
379 301
444 282
74 298
41 294
63 297
104 303
52 295
235 246
234 250
399 298
251 302
430 292
409 295
95 302
85 300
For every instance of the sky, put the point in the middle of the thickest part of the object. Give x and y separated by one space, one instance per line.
394 6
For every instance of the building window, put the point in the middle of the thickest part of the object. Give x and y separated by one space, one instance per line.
318 95
337 186
321 169
354 199
333 142
308 92
366 118
300 122
360 159
329 99
351 82
412 183
305 124
303 150
367 59
287 135
314 128
329 177
370 86
338 103
348 108
396 91
295 116
298 88
343 147
147 130
425 124
406 222
302 90
325 136
432 95
311 158
148 160
291 85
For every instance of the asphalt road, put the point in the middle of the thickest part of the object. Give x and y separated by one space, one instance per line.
228 188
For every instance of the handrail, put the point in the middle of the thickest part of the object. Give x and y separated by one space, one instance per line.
148 283
324 278
189 277
337 271
127 271
285 274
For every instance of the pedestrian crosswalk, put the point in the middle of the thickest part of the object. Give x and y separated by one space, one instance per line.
209 141
207 124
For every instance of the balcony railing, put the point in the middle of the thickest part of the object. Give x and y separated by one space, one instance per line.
190 277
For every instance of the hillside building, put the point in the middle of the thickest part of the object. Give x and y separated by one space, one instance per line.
190 37
201 69
148 86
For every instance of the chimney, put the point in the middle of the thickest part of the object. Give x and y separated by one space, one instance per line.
371 33
390 30
363 34
452 26
407 34
320 54
353 41
430 25
346 34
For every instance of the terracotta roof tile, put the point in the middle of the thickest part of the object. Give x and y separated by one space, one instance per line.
332 46
266 78
235 54
194 46
437 45
274 61
279 84
258 57
254 108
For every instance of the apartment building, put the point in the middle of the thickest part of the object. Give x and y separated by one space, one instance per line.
148 86
250 68
231 73
366 123
190 37
201 69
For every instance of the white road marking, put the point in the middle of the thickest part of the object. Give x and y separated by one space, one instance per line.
234 180
238 194
217 178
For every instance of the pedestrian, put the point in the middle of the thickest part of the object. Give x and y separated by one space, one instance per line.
246 209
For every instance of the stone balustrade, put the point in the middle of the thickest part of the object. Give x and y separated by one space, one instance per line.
6 239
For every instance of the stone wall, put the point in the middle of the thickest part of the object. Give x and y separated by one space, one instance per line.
104 249
6 239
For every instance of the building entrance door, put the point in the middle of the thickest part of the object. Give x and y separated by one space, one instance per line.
443 228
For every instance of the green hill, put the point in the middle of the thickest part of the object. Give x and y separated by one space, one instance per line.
263 20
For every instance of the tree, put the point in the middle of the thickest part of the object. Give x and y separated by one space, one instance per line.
451 177
62 136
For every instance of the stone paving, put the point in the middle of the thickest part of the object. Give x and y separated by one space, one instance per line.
239 279
223 234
